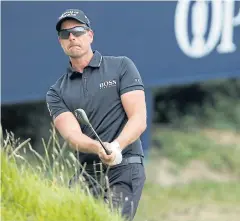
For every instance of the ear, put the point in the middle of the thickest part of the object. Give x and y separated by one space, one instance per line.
91 35
60 41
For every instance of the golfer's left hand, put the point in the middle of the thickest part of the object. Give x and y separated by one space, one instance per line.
114 158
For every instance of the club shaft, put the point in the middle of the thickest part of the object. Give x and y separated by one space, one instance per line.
99 139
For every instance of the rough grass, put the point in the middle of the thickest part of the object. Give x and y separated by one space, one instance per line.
25 196
36 190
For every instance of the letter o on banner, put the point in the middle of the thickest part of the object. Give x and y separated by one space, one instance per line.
199 46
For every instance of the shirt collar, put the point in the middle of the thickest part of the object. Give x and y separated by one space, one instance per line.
95 62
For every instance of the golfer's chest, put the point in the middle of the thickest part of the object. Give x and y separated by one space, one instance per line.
91 92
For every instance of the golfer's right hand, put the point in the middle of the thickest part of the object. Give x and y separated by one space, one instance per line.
106 159
115 157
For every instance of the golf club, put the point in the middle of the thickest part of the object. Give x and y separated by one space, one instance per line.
82 117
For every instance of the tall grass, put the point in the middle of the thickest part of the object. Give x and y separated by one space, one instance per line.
34 187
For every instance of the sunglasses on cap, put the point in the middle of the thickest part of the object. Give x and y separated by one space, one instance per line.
76 31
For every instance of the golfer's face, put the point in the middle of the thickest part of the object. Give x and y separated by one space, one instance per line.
75 39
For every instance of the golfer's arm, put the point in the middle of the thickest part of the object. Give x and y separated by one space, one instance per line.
69 128
135 108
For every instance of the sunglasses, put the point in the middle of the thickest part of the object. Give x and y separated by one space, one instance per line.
76 31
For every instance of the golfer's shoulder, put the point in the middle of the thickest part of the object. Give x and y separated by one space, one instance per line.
120 61
59 83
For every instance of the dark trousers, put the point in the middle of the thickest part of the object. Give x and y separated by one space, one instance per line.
121 186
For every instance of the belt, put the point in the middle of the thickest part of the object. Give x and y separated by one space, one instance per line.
133 159
125 161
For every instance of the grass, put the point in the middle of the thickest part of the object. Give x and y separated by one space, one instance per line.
183 146
25 196
35 192
206 191
34 188
198 200
189 201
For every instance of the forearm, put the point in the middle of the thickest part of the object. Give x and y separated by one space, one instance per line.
82 143
133 129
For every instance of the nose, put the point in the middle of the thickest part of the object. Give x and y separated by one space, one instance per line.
71 37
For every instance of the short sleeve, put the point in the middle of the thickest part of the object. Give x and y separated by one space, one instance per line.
130 78
55 103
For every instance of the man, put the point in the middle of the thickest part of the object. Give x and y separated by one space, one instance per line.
111 92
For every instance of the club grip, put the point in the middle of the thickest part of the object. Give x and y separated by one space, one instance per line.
108 152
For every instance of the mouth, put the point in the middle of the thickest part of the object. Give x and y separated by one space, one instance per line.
71 46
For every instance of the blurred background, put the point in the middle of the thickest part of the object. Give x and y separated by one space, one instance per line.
188 54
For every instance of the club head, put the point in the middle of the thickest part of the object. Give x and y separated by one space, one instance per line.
82 116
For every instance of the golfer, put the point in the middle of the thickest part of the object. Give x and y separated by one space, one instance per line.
110 90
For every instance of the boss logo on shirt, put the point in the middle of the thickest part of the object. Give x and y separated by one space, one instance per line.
107 84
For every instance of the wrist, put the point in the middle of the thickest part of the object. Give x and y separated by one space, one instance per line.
96 147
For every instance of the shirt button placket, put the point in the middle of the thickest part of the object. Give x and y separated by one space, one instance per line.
85 85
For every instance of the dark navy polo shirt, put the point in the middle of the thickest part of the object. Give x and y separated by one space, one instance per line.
97 91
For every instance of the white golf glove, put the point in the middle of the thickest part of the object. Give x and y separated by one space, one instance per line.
115 148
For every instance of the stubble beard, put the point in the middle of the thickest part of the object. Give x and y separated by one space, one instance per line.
76 54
